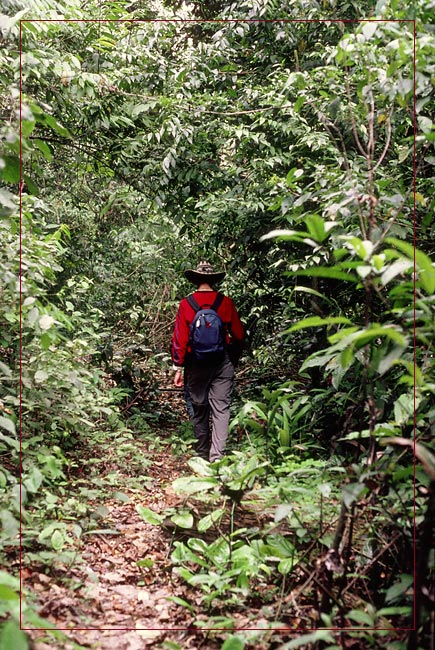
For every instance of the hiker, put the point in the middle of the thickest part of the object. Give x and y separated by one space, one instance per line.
207 342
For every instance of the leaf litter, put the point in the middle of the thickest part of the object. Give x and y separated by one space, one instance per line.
116 596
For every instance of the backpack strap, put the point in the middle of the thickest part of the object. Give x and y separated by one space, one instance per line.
217 301
215 306
192 302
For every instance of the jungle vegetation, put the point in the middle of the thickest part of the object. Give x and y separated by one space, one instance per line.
291 143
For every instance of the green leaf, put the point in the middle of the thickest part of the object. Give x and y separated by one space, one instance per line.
306 640
181 602
233 643
40 376
8 425
193 484
398 590
375 331
369 28
43 148
58 540
325 272
317 321
9 581
200 466
34 481
45 322
361 617
351 492
316 227
7 200
12 638
313 292
206 522
11 171
10 525
183 519
286 565
423 263
6 593
282 511
404 409
389 359
54 124
394 269
149 516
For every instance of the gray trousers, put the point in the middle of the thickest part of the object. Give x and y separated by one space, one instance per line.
210 388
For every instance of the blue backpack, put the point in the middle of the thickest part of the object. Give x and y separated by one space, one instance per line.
207 331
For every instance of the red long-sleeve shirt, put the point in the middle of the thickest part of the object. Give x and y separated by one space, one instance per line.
229 316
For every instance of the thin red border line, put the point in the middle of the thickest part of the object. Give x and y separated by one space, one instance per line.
229 20
217 629
20 275
415 319
278 20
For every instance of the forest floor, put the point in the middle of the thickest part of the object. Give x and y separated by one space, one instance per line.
104 599
119 589
107 601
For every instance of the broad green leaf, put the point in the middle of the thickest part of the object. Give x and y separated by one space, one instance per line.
398 589
40 376
191 485
317 321
10 525
206 522
378 331
426 457
44 149
12 638
361 617
8 425
9 581
305 640
7 200
149 516
351 492
325 272
369 28
395 611
394 269
45 322
54 124
286 565
183 519
233 643
200 466
404 409
282 511
6 593
389 359
34 481
313 292
58 540
316 227
11 171
285 235
423 263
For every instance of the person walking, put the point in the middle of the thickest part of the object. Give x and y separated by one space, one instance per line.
209 371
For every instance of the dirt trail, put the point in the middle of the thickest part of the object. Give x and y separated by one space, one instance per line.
108 602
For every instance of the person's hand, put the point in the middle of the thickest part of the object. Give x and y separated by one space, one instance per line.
178 378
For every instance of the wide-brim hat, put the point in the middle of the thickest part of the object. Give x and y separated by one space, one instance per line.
204 272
